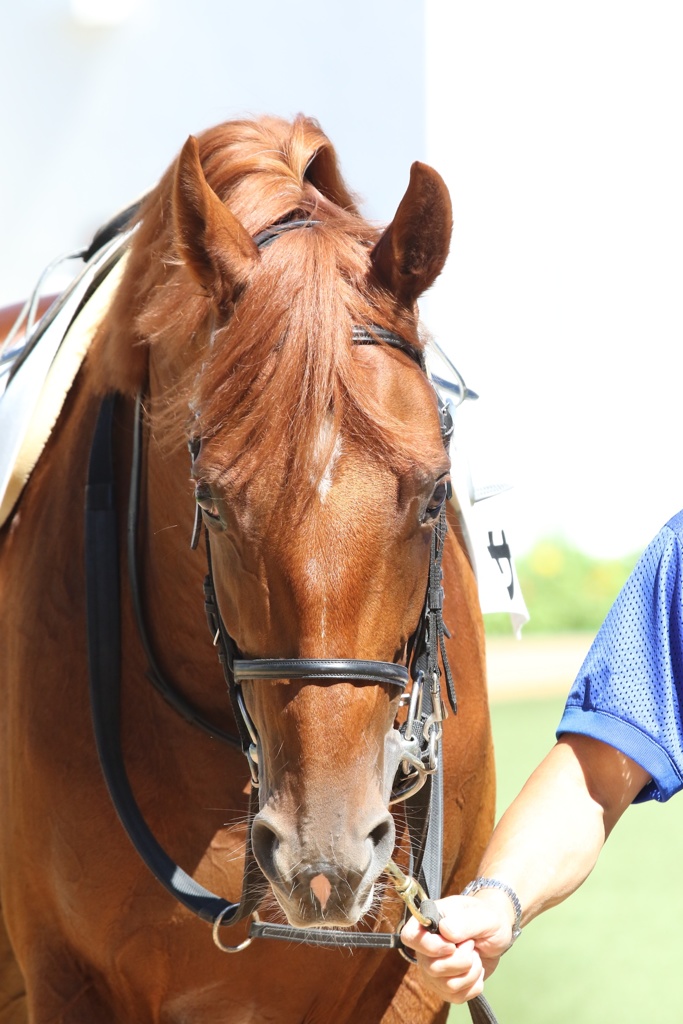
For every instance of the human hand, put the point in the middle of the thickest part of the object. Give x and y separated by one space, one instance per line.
474 932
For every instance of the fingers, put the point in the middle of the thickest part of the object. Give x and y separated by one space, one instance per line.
456 977
464 917
422 941
472 936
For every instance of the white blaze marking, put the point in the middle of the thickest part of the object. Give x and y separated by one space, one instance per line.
316 573
325 485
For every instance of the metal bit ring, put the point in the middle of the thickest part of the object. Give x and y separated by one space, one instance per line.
216 936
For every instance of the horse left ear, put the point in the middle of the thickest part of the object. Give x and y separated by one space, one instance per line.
219 252
411 253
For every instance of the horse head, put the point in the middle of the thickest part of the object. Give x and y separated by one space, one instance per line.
320 473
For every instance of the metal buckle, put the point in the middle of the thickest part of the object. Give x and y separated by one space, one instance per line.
433 729
410 891
420 742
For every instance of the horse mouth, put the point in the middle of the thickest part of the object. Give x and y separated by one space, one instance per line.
323 884
304 907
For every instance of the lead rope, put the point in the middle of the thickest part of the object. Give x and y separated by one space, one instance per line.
432 632
427 913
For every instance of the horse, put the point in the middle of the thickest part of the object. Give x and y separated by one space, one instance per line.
261 320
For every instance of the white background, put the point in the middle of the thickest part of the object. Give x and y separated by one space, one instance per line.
558 129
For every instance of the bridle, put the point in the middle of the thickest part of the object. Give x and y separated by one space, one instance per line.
417 741
420 735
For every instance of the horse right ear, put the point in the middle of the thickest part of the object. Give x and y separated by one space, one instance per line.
412 251
218 251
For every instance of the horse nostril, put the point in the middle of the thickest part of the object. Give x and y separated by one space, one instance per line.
382 837
264 843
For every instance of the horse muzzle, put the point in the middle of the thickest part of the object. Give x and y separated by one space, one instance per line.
322 883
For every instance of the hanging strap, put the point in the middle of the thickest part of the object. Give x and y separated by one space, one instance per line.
104 659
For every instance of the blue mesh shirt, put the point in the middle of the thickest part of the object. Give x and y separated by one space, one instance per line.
629 692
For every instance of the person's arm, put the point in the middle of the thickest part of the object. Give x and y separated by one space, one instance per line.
544 847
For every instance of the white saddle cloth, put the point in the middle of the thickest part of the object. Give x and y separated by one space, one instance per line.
33 396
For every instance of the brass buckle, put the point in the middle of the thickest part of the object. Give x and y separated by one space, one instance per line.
410 891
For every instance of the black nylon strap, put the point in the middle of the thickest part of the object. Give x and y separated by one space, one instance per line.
104 660
480 1011
431 869
325 936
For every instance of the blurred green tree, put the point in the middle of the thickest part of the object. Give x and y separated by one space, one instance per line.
565 590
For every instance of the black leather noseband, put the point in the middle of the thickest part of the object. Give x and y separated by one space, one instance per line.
354 670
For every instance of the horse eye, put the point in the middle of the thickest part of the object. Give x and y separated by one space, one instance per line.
439 495
207 502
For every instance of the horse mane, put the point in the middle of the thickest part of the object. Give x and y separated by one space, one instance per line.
270 373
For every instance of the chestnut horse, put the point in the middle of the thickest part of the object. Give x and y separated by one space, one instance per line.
320 474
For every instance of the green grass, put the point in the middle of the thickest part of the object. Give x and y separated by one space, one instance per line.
612 952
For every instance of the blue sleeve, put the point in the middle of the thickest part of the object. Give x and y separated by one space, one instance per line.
629 692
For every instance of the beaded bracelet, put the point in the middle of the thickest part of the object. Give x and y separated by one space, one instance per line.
494 883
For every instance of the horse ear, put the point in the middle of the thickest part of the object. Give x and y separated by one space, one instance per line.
412 251
219 252
323 173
